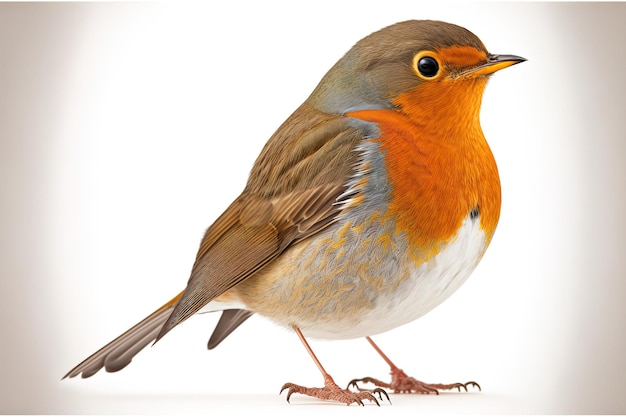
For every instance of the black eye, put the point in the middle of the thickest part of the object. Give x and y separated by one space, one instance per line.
428 66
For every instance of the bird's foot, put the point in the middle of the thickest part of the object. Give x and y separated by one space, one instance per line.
402 383
331 391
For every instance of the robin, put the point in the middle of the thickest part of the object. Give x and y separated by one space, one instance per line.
368 207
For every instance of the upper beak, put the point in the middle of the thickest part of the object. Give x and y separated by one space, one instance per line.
494 63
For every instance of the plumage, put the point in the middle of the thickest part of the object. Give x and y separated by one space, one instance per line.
120 351
369 205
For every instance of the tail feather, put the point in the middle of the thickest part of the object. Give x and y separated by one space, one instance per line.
120 352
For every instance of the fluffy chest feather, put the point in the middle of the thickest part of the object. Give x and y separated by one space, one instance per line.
360 280
436 175
403 291
420 209
366 274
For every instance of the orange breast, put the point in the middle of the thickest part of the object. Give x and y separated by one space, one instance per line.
438 163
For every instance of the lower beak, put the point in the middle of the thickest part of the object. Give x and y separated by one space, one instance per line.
495 63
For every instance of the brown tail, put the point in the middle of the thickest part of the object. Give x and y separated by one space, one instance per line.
119 353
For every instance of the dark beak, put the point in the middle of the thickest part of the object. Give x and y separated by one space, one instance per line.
494 63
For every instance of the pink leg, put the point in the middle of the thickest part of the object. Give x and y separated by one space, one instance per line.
402 383
331 390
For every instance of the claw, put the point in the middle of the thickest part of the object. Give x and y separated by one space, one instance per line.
402 383
367 380
380 393
284 387
332 392
353 384
471 384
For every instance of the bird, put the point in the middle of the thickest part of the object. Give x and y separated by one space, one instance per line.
369 206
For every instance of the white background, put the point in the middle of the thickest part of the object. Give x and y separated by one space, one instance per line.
126 129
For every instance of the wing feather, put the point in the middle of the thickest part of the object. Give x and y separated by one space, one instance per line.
291 195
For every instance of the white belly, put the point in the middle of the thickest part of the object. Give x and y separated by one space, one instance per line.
426 287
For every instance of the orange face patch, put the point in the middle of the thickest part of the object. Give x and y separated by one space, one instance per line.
462 56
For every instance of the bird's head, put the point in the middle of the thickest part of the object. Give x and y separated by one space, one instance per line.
418 66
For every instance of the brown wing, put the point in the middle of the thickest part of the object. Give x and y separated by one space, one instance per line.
292 194
252 232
